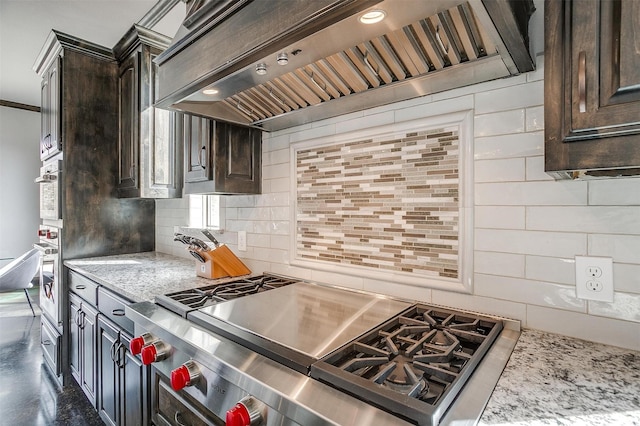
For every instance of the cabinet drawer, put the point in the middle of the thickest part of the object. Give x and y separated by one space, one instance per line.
83 287
112 307
50 342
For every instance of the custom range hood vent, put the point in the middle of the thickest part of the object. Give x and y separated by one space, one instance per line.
279 63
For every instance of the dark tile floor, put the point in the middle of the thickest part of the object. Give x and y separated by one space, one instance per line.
28 394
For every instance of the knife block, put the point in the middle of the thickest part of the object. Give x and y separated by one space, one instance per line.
221 262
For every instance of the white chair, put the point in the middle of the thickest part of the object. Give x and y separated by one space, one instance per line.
18 274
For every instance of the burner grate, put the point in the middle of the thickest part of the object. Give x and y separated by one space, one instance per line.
196 298
425 353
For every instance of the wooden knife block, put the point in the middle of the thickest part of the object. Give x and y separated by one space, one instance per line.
221 262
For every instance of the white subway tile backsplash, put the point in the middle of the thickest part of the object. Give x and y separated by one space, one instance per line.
510 98
447 106
258 240
314 132
500 217
589 327
499 123
502 170
534 119
507 146
535 169
275 141
615 192
485 305
625 306
365 122
271 158
531 292
275 171
404 291
551 269
622 248
494 263
280 213
279 185
481 87
559 244
279 241
600 219
538 73
532 193
626 277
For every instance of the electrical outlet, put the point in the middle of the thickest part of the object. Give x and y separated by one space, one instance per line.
594 278
242 240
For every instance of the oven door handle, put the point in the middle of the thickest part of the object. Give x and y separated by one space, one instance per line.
177 418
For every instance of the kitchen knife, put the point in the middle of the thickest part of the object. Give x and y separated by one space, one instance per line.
210 236
199 243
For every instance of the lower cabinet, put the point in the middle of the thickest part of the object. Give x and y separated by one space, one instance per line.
122 377
82 345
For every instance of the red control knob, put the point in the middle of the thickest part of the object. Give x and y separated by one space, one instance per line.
155 351
185 375
137 343
247 412
238 416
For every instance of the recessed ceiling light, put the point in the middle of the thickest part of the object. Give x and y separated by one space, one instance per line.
373 16
210 91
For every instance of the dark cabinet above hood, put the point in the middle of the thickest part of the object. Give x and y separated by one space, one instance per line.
334 64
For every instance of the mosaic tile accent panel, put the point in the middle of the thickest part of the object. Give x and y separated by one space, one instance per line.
391 205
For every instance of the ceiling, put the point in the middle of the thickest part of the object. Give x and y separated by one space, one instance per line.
25 25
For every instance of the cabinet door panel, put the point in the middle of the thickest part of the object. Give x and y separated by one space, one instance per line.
133 388
237 164
88 352
74 338
605 68
127 139
108 379
197 146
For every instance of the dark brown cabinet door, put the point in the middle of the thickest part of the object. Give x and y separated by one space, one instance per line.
82 345
592 86
237 163
127 137
50 142
197 149
221 158
122 378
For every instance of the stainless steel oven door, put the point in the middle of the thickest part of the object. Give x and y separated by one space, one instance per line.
49 181
50 291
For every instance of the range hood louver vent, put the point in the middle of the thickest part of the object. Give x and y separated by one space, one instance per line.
408 59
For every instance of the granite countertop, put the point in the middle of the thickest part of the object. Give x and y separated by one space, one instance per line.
141 276
558 380
549 380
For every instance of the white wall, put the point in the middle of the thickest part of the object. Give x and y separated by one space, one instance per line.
528 227
19 166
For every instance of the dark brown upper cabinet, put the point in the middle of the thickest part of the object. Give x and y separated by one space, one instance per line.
150 157
50 141
221 158
592 88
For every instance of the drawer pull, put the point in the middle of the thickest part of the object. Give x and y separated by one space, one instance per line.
47 342
582 81
118 312
80 287
177 418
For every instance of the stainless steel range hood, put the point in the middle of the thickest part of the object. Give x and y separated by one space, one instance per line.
335 64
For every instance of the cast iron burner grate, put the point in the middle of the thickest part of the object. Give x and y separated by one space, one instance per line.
425 353
195 298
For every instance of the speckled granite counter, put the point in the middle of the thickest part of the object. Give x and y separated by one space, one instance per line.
549 380
141 276
557 380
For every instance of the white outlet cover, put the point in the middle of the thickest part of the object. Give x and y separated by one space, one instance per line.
242 240
587 270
